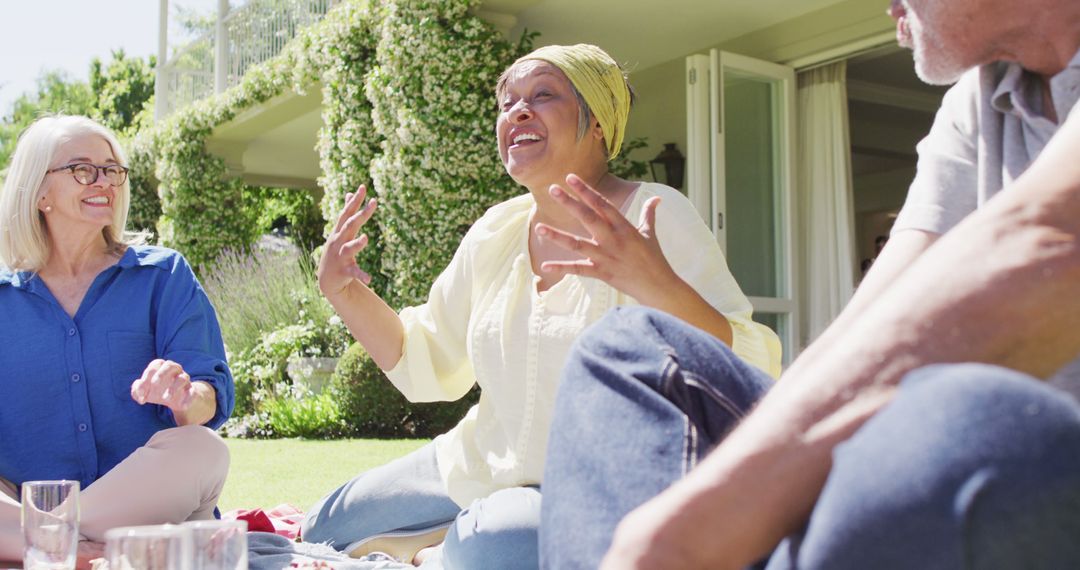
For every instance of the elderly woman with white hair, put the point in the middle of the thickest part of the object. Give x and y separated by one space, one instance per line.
526 280
112 359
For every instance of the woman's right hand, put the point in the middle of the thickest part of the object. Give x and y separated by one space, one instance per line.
338 270
370 320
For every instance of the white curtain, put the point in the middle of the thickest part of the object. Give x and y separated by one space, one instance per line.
826 221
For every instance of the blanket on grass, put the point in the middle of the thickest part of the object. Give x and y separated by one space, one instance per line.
268 551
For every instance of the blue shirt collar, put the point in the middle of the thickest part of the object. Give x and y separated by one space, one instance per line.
134 256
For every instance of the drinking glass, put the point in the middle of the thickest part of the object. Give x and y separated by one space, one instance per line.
156 547
219 545
50 524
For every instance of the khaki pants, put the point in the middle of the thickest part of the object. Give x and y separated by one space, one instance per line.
176 476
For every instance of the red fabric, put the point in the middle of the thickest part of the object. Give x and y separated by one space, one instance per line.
283 519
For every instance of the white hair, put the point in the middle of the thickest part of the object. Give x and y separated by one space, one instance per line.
24 244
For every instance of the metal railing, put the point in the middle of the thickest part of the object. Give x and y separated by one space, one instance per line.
254 33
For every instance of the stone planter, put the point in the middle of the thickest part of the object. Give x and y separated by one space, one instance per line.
312 372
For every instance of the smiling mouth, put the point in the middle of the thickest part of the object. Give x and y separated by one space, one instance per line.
525 138
97 201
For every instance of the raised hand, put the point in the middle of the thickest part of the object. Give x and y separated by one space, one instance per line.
337 268
370 320
626 257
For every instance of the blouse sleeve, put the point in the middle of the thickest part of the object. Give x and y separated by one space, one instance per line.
434 364
695 256
187 333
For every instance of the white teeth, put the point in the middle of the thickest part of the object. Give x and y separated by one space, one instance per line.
97 200
526 137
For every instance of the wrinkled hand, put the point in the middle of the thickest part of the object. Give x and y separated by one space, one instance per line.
337 268
655 536
626 257
632 548
163 382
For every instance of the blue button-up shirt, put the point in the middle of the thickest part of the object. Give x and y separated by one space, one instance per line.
66 410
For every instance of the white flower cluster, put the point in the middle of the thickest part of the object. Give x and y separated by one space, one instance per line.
432 100
408 104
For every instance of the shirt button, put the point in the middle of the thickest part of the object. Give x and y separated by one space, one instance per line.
82 427
74 377
71 332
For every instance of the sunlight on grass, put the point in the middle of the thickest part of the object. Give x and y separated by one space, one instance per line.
267 473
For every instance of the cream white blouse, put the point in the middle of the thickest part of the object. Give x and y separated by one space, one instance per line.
484 322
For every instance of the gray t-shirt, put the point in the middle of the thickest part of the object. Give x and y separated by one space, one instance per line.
990 128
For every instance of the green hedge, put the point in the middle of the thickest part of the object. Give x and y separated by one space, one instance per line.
145 207
373 407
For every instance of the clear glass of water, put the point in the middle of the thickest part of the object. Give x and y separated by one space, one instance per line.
219 544
50 524
156 547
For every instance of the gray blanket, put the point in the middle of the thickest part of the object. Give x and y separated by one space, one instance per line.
268 551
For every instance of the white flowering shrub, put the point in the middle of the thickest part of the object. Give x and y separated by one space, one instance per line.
407 104
348 142
409 109
433 103
202 208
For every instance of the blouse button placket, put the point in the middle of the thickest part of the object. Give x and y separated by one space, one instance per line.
536 320
81 397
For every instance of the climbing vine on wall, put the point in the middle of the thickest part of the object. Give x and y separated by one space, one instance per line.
408 108
432 94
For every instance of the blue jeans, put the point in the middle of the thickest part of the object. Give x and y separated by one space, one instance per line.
407 494
969 466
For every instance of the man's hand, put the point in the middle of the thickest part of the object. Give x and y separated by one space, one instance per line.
648 538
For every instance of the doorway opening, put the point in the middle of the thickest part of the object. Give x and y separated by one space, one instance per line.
890 110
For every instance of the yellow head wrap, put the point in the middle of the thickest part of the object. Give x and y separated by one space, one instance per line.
599 80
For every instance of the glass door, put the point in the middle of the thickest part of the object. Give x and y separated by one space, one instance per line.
749 175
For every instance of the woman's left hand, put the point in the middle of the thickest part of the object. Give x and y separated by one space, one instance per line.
626 257
164 382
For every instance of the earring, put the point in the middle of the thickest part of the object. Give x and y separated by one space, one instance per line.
48 209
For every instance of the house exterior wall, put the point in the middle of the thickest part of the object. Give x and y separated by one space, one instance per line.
660 115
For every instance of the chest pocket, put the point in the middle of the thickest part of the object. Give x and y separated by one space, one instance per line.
129 353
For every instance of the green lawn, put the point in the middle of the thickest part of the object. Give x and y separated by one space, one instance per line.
266 473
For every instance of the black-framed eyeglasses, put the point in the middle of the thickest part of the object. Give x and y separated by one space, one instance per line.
87 174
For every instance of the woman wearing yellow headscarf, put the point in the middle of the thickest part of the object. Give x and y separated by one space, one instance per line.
527 279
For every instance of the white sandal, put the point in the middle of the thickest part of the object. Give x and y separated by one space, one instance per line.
402 545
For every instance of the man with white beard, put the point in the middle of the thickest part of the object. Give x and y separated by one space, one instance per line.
919 431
